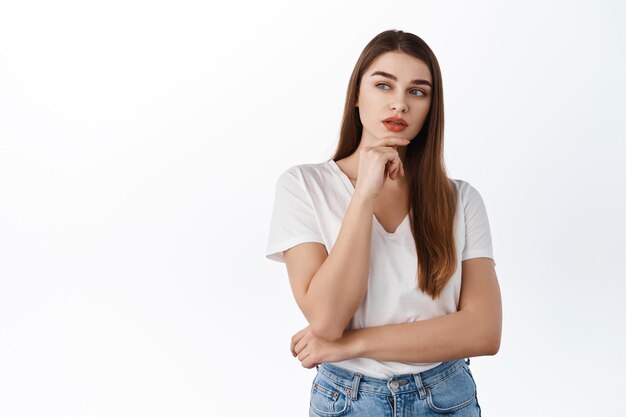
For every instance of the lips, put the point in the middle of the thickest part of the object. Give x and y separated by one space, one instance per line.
395 124
396 121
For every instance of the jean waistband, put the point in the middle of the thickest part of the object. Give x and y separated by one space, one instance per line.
355 382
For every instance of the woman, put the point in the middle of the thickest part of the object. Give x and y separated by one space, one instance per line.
389 334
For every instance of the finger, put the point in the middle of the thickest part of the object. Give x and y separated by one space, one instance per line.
300 345
390 158
401 138
400 169
394 166
396 173
304 354
391 141
386 154
296 338
292 344
296 347
387 171
308 361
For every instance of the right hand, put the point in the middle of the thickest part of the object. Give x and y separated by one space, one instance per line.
378 161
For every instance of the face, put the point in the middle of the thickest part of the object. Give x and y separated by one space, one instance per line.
395 85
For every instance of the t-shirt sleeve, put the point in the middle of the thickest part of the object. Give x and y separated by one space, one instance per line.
293 217
477 230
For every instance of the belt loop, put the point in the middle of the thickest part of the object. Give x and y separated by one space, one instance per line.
420 386
355 385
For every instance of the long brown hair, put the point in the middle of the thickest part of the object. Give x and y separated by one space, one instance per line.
432 195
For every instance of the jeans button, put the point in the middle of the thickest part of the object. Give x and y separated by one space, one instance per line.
394 384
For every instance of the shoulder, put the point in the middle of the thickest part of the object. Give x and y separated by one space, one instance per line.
303 174
466 191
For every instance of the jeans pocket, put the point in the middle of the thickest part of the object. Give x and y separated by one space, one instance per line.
452 393
328 398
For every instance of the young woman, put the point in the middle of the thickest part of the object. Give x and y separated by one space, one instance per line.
389 260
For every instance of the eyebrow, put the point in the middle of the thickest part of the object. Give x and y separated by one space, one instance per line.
393 77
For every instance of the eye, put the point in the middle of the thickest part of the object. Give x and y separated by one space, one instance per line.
419 93
385 84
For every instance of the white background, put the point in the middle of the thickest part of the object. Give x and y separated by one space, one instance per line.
140 142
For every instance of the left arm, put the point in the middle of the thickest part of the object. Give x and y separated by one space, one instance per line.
474 330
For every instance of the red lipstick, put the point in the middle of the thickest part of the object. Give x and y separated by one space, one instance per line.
395 124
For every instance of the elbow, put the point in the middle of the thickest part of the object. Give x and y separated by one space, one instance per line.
329 332
487 340
492 344
490 335
493 347
326 325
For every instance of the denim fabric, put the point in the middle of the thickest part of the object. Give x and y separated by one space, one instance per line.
448 389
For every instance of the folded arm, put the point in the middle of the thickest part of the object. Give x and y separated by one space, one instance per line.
474 330
329 288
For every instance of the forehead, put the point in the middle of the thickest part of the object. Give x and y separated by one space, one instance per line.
403 66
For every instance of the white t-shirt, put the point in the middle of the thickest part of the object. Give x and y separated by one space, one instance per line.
310 204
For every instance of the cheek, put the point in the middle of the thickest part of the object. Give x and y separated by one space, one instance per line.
423 111
421 121
366 110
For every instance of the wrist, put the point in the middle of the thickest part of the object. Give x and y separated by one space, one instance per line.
364 198
352 344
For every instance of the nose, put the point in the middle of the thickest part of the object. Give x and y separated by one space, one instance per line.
399 104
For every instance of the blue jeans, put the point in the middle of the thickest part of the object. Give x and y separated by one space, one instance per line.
448 388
